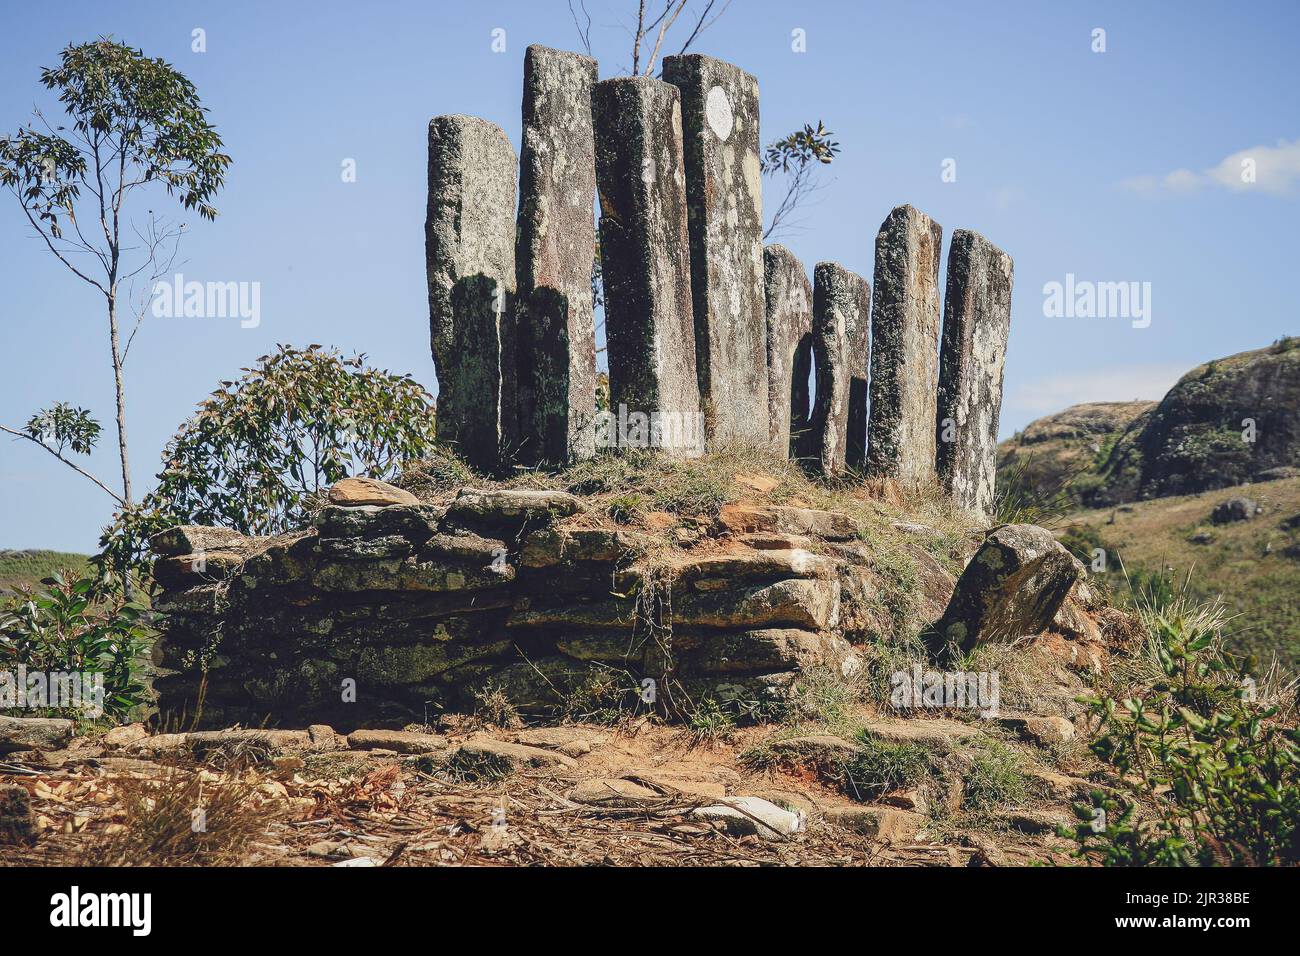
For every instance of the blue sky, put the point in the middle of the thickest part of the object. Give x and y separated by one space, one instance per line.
1114 166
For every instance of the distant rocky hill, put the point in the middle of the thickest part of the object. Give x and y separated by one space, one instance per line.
1053 454
1225 423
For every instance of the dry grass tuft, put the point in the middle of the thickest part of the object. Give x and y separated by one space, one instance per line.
178 819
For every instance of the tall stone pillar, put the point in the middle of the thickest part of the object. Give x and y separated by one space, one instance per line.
788 301
469 236
649 329
905 348
555 247
725 199
841 344
976 323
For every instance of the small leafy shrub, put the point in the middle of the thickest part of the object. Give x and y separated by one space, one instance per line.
1221 772
258 450
79 626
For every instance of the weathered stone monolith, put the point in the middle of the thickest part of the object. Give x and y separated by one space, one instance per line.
841 344
788 297
976 322
725 199
470 257
645 255
555 247
905 348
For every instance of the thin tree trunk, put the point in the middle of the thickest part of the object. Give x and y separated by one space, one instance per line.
120 391
121 399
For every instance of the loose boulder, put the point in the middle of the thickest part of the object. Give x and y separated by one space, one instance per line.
1235 509
34 733
1013 587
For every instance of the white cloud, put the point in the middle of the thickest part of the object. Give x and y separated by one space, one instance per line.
1029 400
1005 197
1270 169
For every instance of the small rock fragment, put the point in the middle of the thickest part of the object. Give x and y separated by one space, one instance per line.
355 492
743 816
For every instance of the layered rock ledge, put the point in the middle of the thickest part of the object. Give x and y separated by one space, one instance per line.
384 614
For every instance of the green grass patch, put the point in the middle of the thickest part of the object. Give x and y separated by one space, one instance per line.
29 568
881 766
995 778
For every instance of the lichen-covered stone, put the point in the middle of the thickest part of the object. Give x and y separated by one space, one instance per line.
365 549
788 310
645 255
734 566
34 733
470 255
551 546
905 348
409 574
725 201
798 603
976 323
199 568
784 519
841 345
608 612
511 509
387 665
414 522
770 649
192 538
556 245
1012 588
400 741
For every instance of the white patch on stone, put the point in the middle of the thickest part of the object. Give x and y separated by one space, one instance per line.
717 110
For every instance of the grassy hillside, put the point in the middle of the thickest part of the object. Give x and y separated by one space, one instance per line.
1254 564
28 567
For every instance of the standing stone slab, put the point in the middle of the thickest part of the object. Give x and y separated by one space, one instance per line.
788 298
858 304
725 199
555 247
645 257
976 323
469 235
841 344
905 348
